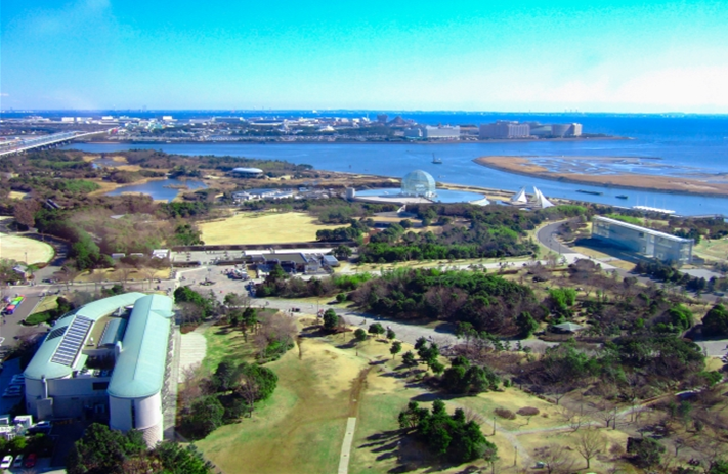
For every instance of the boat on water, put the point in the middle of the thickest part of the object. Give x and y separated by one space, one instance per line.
622 196
587 191
436 161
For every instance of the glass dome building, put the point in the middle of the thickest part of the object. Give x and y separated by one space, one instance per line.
418 184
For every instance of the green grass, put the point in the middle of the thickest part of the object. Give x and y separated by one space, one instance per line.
302 424
222 343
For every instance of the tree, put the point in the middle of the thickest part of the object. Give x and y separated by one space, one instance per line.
526 324
589 444
556 458
395 348
390 334
376 329
24 213
360 335
646 451
206 415
715 322
342 252
331 320
103 451
409 359
178 459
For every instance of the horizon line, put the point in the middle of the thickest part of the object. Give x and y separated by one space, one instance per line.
396 111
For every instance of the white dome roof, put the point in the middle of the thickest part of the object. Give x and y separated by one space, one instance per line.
418 183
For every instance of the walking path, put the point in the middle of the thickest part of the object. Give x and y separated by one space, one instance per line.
346 447
192 351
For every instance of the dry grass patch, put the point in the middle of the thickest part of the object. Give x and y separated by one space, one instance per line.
17 195
262 228
15 247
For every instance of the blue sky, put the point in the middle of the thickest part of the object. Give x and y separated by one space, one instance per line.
551 55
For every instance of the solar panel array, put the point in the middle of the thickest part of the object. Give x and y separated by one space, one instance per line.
72 342
58 332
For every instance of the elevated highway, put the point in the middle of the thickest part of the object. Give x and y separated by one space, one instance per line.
20 146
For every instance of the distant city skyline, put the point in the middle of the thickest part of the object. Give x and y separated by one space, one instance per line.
592 57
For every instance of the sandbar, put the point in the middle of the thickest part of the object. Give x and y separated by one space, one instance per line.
707 184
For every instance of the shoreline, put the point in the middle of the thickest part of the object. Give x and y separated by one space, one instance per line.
352 142
667 184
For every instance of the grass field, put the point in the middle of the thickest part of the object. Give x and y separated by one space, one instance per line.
712 249
15 247
262 228
301 425
301 428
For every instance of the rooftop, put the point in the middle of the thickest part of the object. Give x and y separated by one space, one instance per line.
656 233
140 367
58 357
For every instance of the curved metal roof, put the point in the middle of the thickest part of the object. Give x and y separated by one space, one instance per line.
140 367
247 170
42 364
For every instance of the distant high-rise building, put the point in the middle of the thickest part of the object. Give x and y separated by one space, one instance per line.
382 118
427 132
504 129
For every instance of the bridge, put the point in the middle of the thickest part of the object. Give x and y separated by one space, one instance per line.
14 147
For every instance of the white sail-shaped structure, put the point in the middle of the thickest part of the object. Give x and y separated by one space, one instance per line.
520 197
538 199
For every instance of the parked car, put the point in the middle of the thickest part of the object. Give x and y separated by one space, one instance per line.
6 462
41 427
31 460
18 461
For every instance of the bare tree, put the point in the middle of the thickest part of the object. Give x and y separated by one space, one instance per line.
250 391
589 443
556 459
125 271
149 273
606 412
97 277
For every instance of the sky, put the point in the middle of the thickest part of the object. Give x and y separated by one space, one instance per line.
538 56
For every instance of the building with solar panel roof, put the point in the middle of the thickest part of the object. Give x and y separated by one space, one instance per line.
106 361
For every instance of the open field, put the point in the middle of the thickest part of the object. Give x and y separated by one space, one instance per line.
523 165
46 304
303 423
17 195
712 249
15 247
262 228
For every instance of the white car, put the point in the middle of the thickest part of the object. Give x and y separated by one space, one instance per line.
6 462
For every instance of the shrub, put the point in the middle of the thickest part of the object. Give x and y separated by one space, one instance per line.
504 413
37 318
528 411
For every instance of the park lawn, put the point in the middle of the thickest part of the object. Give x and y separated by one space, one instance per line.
302 424
713 249
15 247
222 343
262 228
46 304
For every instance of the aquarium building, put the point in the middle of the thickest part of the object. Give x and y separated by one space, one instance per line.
106 361
645 242
418 183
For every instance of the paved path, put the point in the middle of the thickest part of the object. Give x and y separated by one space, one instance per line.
193 348
346 446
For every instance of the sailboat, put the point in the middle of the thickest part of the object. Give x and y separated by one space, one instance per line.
436 161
